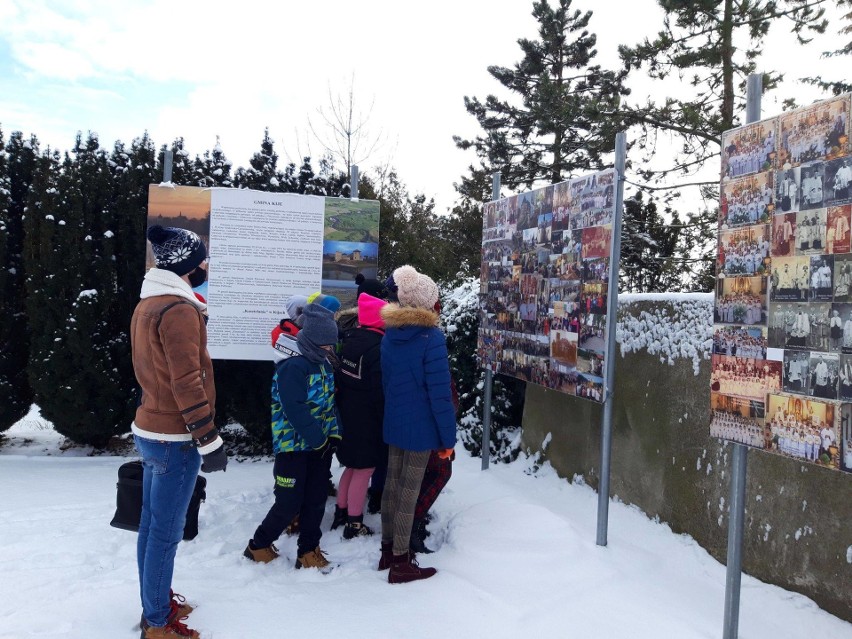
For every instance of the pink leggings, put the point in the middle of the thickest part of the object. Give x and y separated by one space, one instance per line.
352 491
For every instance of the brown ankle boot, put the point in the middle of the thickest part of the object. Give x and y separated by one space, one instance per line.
261 555
387 555
172 630
404 568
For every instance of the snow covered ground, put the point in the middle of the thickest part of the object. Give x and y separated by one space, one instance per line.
515 553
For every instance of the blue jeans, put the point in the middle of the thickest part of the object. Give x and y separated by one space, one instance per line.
170 469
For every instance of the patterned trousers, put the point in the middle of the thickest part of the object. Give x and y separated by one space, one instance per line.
402 486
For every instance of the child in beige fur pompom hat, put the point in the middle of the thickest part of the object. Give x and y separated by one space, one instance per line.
415 289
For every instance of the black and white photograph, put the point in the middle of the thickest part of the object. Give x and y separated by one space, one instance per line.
811 231
813 186
824 375
797 365
845 391
748 149
788 192
845 443
822 276
820 132
790 279
843 278
800 326
844 311
838 181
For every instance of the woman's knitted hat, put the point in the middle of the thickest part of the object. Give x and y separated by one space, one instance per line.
176 250
415 289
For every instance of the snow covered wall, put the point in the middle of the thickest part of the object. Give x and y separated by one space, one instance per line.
798 532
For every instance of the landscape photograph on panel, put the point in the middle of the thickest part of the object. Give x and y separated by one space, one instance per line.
781 370
544 284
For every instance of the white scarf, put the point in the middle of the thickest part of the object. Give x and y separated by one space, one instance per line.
162 282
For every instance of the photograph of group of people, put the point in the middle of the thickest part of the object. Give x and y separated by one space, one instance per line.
783 308
544 284
803 428
817 232
747 200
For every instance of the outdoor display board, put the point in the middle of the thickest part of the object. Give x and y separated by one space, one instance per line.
265 247
543 289
781 377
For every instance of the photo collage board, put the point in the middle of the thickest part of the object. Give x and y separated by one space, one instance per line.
544 283
781 374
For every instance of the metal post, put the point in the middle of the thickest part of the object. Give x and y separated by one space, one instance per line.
168 162
485 448
353 182
736 517
609 362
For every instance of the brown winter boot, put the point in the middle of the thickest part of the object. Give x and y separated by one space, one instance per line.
171 630
261 555
404 568
387 555
315 559
178 608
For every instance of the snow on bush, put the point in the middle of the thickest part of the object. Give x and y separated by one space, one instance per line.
676 326
680 325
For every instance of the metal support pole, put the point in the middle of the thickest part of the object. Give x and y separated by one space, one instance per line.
168 163
609 362
736 517
485 448
353 182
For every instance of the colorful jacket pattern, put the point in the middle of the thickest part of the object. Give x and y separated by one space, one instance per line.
303 411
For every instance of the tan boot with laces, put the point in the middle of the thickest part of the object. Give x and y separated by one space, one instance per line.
315 559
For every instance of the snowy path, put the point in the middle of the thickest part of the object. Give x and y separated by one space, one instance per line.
516 556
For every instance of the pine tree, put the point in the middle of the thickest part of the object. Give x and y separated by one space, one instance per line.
651 250
183 169
17 161
560 118
133 171
214 169
263 173
77 382
713 45
837 87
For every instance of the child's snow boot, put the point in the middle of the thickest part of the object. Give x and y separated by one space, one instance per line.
417 543
340 515
315 559
404 568
260 555
355 527
387 555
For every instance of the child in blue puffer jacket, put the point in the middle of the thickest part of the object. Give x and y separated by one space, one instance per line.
419 413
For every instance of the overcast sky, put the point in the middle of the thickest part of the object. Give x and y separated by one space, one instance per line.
199 69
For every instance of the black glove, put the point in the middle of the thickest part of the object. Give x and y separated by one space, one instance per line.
217 460
329 447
